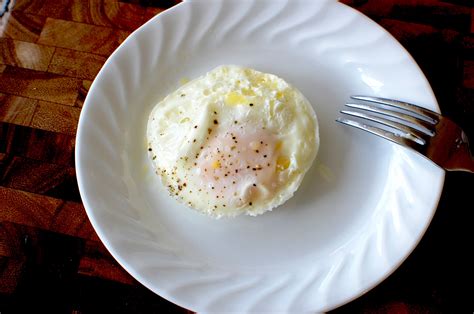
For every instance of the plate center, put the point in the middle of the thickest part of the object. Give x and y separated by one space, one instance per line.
334 203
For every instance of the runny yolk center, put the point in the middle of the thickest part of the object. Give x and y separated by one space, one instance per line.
234 163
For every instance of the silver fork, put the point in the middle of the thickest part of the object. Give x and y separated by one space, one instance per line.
427 132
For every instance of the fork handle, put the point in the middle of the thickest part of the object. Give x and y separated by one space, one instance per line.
462 159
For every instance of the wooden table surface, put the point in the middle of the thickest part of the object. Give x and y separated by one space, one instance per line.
50 258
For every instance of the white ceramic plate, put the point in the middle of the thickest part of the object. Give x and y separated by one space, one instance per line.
360 211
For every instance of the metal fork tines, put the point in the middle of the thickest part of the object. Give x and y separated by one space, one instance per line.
423 130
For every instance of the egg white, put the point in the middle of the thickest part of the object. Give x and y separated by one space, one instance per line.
233 141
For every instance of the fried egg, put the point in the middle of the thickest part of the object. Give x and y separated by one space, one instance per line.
233 141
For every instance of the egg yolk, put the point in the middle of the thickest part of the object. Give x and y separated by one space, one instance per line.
238 165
